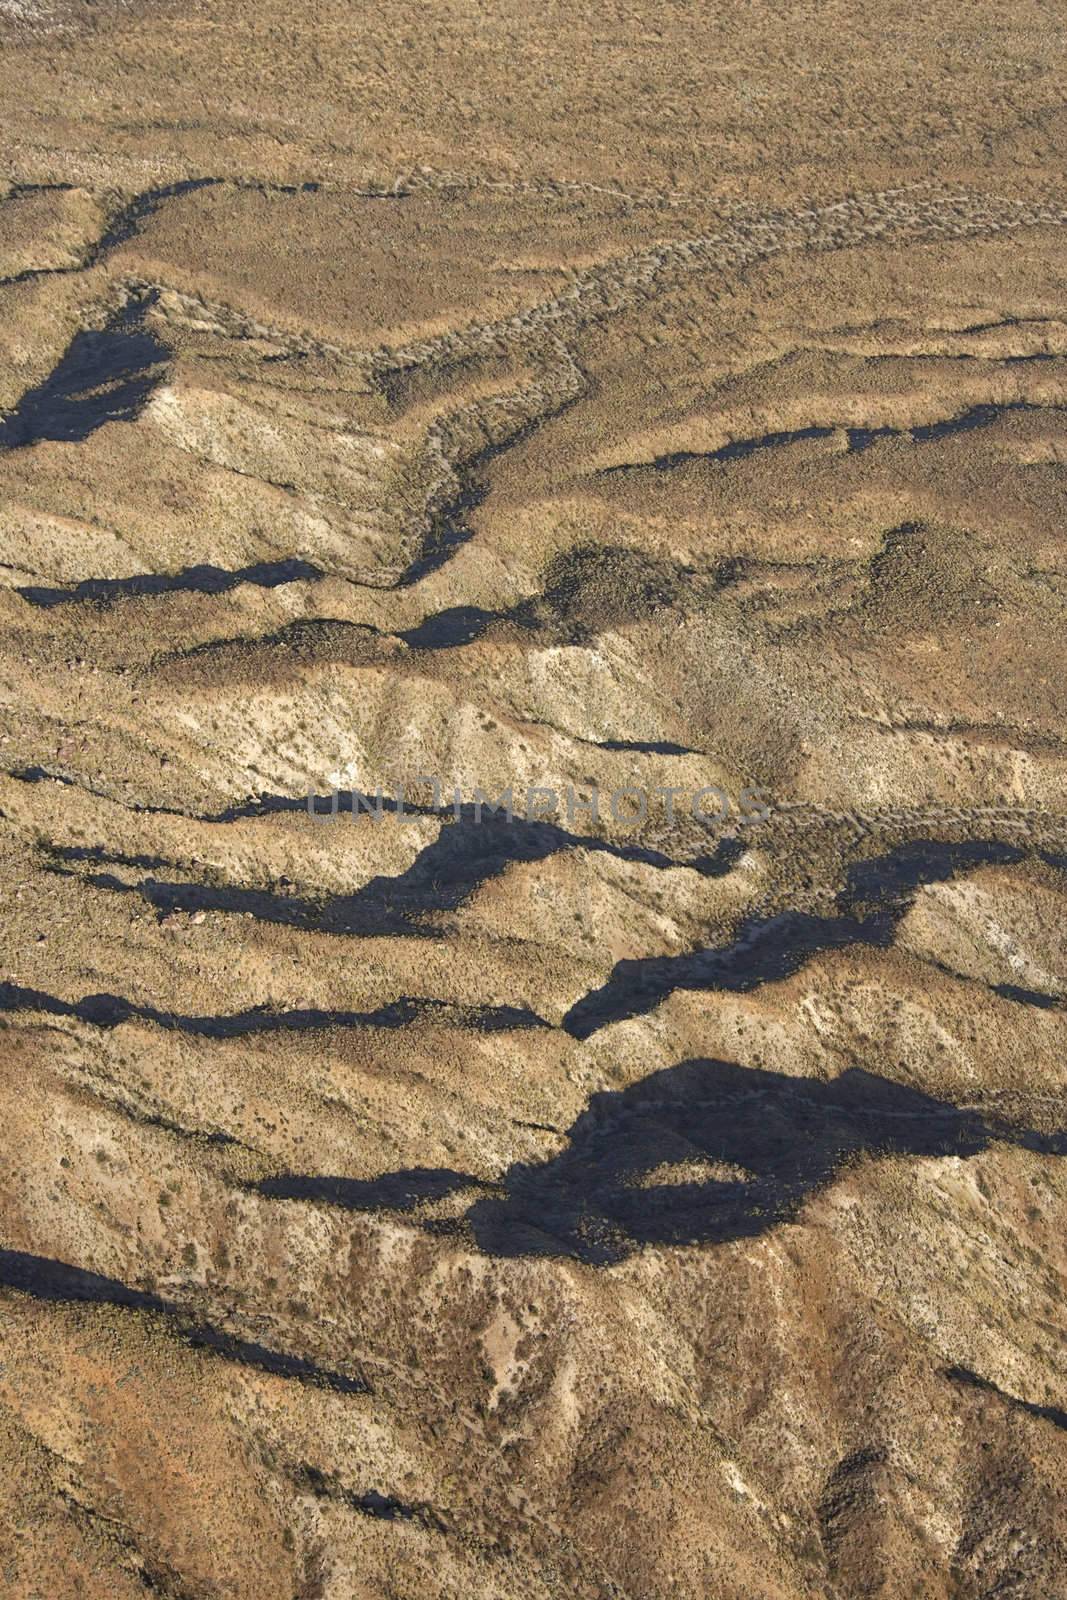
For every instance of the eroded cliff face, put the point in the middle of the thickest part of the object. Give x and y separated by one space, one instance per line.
661 1203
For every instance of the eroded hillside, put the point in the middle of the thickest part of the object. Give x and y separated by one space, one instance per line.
430 1201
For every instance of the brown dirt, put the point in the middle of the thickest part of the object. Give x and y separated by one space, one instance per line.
649 397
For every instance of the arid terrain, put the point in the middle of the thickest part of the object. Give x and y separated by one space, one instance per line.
430 1201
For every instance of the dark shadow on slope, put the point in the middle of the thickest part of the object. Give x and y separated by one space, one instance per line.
371 1503
978 416
204 579
441 879
349 802
446 630
892 878
736 450
964 1375
111 1010
104 376
766 950
774 1139
862 438
49 1280
127 221
587 589
645 747
449 531
449 528
396 1191
713 864
1029 997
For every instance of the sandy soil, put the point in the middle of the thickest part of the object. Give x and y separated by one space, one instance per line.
662 1207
